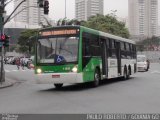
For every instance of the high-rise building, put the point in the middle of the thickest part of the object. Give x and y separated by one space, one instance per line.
88 8
29 13
143 18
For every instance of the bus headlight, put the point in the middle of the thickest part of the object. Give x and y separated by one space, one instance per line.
39 71
74 69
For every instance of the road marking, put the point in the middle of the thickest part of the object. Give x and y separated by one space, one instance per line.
7 71
155 72
27 70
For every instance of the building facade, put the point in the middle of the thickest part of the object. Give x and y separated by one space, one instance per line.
87 8
30 13
143 18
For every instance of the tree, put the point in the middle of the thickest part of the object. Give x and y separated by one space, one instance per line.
107 24
65 21
149 43
25 43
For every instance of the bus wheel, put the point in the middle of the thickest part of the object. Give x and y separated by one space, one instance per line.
58 86
128 74
97 78
125 75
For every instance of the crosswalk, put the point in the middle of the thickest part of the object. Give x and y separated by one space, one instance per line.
21 70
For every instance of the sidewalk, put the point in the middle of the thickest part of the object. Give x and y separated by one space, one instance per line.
7 83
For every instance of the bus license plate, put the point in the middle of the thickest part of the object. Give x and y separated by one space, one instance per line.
55 76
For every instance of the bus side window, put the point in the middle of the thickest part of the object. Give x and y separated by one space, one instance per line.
123 50
86 49
95 46
109 48
114 49
134 51
128 54
91 45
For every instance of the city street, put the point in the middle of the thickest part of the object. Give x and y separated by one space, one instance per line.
140 94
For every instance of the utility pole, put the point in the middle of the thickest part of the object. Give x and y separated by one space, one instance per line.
2 35
2 72
65 10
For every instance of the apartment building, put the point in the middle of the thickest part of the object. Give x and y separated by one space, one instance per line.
143 18
87 8
29 13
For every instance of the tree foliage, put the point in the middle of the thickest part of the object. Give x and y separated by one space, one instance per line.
107 24
25 43
65 21
148 44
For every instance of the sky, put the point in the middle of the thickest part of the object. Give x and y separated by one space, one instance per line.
57 8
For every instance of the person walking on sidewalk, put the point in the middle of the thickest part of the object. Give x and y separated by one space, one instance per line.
22 63
18 63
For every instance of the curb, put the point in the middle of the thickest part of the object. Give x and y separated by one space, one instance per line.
7 83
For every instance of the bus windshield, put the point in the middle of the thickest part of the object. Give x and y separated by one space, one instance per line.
58 50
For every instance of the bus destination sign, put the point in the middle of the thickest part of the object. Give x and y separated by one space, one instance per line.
59 32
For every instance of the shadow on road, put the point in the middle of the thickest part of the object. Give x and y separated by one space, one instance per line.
86 86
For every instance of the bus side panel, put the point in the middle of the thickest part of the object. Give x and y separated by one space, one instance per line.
90 59
89 69
112 68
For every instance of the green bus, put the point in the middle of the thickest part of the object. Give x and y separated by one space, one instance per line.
77 54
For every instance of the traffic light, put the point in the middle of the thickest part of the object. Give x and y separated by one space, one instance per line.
46 7
4 40
40 3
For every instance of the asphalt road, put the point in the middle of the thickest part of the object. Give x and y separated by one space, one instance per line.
140 94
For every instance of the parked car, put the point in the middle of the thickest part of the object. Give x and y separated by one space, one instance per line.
143 63
26 60
9 60
13 60
32 58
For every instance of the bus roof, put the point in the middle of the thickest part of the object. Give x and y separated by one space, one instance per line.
110 35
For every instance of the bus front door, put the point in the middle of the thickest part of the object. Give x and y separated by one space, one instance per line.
104 58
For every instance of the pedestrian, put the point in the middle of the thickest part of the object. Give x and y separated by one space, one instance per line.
148 64
22 63
18 63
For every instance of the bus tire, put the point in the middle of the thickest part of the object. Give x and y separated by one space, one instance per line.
58 86
128 74
125 75
97 78
135 68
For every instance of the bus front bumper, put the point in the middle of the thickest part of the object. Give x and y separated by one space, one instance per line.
51 78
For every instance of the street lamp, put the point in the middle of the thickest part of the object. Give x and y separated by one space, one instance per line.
65 9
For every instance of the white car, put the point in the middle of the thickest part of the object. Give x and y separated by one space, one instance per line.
26 60
142 63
